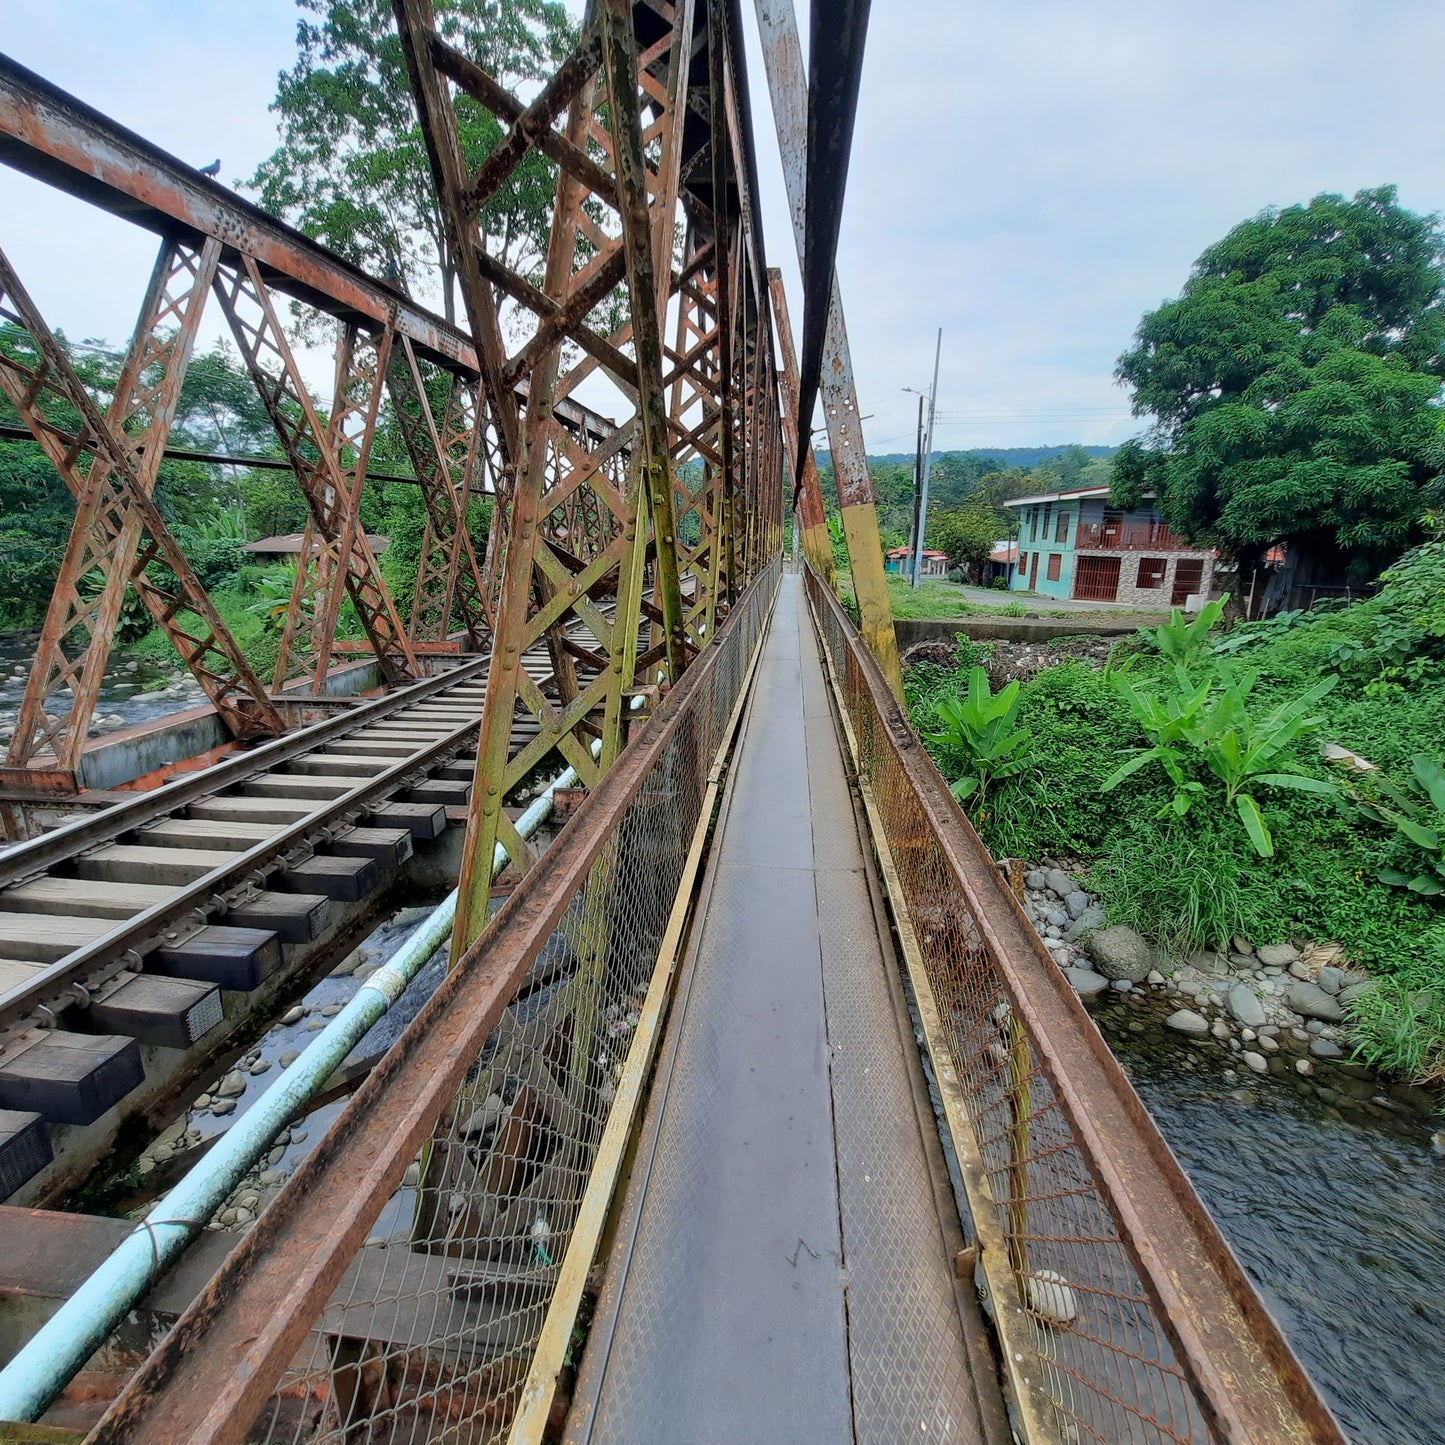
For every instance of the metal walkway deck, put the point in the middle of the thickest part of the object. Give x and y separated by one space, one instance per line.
784 1266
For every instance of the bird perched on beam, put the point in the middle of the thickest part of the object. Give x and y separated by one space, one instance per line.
214 169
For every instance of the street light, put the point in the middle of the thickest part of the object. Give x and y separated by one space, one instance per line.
922 524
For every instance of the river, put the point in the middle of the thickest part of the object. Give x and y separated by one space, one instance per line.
1339 1221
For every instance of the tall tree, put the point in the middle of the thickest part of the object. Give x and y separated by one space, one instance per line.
351 168
1292 386
966 534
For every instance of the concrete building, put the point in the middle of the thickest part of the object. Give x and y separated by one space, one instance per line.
1074 544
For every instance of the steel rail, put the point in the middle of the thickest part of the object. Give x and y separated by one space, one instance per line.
211 1374
1247 1379
113 951
20 861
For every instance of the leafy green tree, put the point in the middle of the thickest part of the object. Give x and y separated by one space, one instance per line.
966 534
351 168
1292 386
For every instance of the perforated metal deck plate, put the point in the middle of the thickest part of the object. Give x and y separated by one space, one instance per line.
781 1273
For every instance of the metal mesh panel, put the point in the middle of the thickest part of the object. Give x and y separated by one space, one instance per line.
1107 1368
431 1331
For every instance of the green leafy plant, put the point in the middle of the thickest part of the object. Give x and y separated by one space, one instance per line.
1417 813
1209 723
1186 644
1399 1023
978 738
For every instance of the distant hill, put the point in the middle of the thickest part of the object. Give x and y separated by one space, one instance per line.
1006 456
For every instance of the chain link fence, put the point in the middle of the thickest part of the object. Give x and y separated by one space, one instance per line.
445 1281
1107 1341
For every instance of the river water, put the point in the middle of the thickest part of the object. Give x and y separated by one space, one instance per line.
133 690
1340 1223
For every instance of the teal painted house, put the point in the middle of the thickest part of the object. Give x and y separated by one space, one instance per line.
1073 544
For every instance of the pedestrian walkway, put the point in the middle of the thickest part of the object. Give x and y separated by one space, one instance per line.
784 1264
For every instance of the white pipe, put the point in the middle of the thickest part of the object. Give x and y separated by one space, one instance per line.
51 1358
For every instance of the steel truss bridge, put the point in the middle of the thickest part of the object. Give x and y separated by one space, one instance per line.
670 1099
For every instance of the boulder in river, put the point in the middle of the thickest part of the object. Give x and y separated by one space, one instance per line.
1120 952
1244 1004
1277 955
1186 1021
1314 1003
1087 983
1092 917
1060 882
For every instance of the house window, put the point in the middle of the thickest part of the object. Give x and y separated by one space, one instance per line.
1055 560
1061 530
1048 508
1034 524
1151 571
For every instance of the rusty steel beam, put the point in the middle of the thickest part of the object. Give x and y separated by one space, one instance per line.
589 523
123 531
1247 1381
445 454
140 418
60 140
816 542
782 56
336 559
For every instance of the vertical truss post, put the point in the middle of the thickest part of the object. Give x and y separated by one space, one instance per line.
444 456
783 60
332 478
816 543
593 514
118 529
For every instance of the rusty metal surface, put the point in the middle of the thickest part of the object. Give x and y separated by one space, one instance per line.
216 1377
1171 1341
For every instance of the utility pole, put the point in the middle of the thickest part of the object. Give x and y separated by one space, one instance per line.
917 482
927 467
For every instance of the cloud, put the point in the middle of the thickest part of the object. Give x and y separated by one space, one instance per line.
1032 177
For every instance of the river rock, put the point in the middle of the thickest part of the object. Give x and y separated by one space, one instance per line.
288 1058
1060 882
1057 918
293 1015
1314 1003
1076 902
1255 1061
1240 944
1036 880
1186 1021
223 1106
1277 955
1331 979
1086 983
1352 991
1092 917
1206 961
1244 1004
232 1086
1049 1296
1303 1066
1326 1049
1119 952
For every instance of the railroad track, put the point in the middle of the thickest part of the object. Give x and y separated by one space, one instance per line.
126 936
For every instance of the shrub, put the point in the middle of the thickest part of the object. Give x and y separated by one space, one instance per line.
978 741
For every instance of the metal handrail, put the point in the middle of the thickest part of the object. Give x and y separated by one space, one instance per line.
1087 1195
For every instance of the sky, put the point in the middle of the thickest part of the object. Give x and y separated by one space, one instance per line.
1028 175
